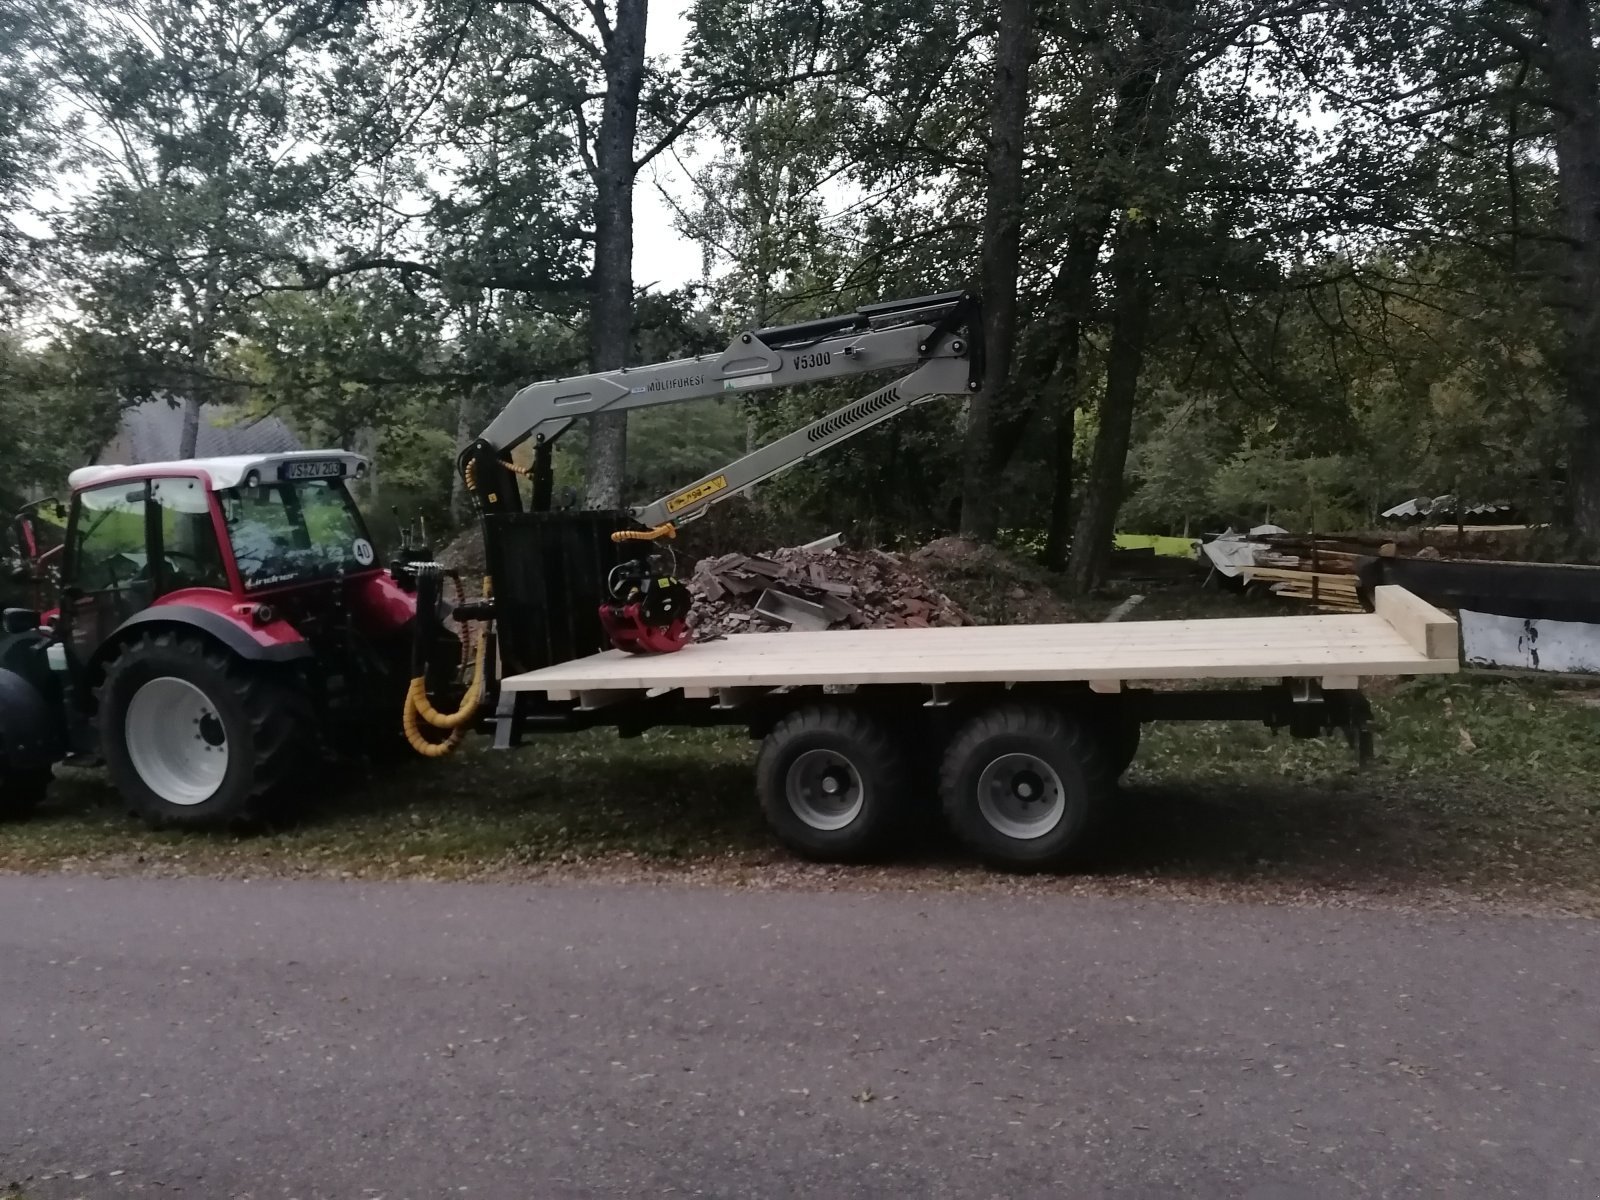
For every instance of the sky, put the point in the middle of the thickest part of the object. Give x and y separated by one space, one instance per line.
662 257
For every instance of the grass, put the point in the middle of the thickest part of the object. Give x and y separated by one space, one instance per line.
1485 789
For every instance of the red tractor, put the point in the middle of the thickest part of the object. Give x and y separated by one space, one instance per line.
221 624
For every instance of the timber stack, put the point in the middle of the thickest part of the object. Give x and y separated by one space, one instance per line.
1317 571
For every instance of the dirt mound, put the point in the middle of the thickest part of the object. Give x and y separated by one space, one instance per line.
815 589
465 554
991 585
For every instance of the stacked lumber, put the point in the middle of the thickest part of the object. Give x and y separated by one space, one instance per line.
849 589
1321 573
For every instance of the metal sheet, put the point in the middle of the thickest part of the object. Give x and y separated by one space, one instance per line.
1490 640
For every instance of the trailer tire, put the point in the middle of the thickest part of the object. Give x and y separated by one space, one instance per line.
21 792
832 782
1026 787
252 733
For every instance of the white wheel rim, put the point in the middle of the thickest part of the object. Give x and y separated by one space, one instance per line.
825 790
1021 796
176 741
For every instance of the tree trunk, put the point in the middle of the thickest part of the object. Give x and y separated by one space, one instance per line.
1072 300
189 433
1147 101
1575 81
1133 295
611 307
1002 245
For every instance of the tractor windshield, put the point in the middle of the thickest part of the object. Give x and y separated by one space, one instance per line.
293 532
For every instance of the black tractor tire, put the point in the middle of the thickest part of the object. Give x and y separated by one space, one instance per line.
1027 786
253 718
833 782
22 791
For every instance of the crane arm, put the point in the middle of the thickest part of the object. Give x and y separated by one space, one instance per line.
937 336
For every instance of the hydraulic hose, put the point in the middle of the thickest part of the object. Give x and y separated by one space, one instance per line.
419 710
645 535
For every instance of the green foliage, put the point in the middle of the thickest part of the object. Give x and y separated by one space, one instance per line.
377 221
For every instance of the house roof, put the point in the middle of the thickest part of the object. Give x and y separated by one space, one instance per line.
151 432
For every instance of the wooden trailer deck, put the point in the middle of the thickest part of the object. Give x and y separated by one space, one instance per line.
1404 636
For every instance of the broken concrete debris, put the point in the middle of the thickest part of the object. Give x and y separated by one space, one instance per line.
803 588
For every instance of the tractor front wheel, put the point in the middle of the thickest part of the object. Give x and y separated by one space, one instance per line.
194 736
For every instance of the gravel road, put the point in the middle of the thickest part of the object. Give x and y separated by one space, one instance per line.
215 1039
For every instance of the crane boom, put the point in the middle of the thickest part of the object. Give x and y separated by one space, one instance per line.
937 336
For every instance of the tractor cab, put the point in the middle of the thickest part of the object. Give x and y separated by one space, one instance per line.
245 524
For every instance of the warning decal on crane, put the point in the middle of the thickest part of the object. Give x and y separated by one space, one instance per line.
697 493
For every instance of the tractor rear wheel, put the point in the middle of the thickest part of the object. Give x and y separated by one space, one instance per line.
194 736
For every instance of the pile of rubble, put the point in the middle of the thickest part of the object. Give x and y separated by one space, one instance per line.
814 589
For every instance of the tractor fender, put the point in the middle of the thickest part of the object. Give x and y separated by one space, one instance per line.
30 727
281 645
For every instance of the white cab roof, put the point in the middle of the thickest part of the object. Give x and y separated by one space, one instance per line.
219 473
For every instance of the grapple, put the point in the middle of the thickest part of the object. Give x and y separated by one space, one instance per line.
646 610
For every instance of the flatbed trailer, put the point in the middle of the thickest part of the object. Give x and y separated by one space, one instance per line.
1025 729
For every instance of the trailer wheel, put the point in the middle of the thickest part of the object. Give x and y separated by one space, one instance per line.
195 737
1025 786
832 782
21 792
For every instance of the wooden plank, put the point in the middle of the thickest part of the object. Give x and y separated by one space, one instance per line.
1338 579
1106 687
1430 632
1364 644
1341 683
1123 609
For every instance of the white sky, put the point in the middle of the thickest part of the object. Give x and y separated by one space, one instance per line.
662 257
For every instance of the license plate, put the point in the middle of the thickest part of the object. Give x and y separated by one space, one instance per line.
322 468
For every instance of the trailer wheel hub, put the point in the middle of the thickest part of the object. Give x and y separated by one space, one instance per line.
1021 796
825 790
176 741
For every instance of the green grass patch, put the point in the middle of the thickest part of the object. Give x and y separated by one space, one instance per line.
1483 787
1166 547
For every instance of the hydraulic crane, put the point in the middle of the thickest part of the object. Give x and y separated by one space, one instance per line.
937 336
645 607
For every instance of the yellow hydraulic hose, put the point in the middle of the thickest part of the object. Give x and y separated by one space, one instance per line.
418 710
645 535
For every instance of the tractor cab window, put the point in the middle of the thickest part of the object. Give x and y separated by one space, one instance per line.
190 556
291 532
109 539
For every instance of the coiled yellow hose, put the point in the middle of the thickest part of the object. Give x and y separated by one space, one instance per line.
419 710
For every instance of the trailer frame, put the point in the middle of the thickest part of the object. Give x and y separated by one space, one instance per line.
1072 723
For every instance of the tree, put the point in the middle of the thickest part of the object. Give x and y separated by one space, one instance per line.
190 116
1000 257
1498 87
25 137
